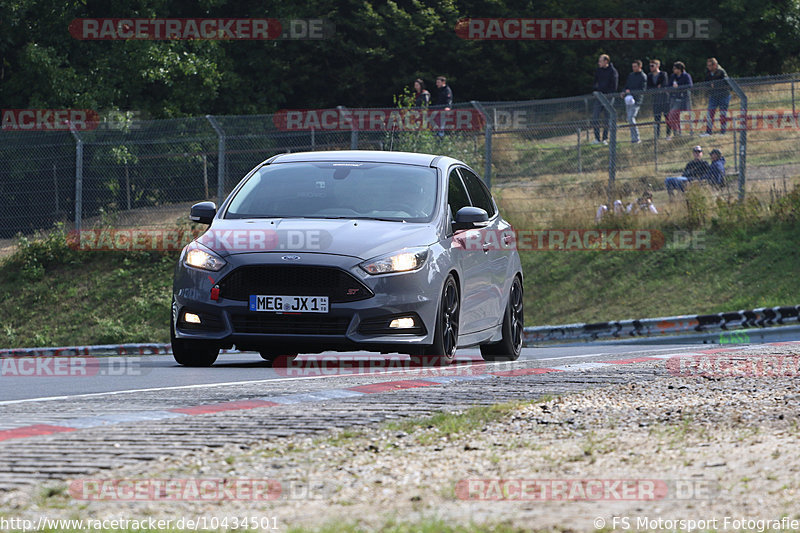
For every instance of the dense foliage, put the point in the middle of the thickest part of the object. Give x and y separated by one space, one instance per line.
377 49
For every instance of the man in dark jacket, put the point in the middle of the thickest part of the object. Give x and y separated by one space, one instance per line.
634 91
606 80
718 96
444 94
443 101
696 169
657 80
680 98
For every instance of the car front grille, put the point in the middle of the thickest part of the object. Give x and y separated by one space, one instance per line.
268 323
291 280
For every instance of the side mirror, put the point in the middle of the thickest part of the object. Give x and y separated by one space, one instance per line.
203 212
470 217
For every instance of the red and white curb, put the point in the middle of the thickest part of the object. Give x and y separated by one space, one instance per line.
97 349
74 424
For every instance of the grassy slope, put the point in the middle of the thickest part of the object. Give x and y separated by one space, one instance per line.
739 270
103 298
109 297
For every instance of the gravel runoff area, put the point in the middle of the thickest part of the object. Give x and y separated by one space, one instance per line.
676 453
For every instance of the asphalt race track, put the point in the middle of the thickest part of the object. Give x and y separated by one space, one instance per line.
90 375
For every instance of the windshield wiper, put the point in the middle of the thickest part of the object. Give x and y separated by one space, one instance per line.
365 218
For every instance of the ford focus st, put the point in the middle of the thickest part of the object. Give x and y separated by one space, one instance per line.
350 250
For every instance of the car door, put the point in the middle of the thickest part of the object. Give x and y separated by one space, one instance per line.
470 262
495 251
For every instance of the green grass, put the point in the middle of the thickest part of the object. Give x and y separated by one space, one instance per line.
52 295
738 269
449 424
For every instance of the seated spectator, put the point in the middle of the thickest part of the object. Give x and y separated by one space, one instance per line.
696 169
603 209
716 174
643 204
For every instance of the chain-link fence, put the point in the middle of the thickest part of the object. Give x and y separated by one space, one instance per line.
545 159
555 161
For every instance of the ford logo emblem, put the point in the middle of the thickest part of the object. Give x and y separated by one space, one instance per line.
291 258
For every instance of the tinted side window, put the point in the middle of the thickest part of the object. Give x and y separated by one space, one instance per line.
478 192
456 193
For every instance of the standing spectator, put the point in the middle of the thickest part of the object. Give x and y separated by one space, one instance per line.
679 99
658 80
443 100
696 169
606 80
718 96
444 95
422 98
634 91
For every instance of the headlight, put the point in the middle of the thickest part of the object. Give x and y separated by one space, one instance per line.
198 258
405 261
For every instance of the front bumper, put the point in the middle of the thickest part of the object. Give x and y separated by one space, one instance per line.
347 325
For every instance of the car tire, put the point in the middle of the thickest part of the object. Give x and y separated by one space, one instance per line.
445 337
192 352
510 347
278 359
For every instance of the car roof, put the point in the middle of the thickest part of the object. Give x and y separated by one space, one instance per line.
365 156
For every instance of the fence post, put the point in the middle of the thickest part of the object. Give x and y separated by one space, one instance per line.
313 139
580 162
655 143
353 131
205 174
128 185
742 136
55 187
220 158
487 143
78 176
612 138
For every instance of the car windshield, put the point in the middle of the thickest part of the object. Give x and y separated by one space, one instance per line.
381 191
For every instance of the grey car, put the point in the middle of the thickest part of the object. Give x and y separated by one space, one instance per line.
350 250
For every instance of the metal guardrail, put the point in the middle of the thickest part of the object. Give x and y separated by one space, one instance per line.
658 327
689 328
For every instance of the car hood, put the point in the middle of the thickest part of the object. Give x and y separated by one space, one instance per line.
358 238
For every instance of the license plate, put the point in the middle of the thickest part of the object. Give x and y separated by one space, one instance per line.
289 304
